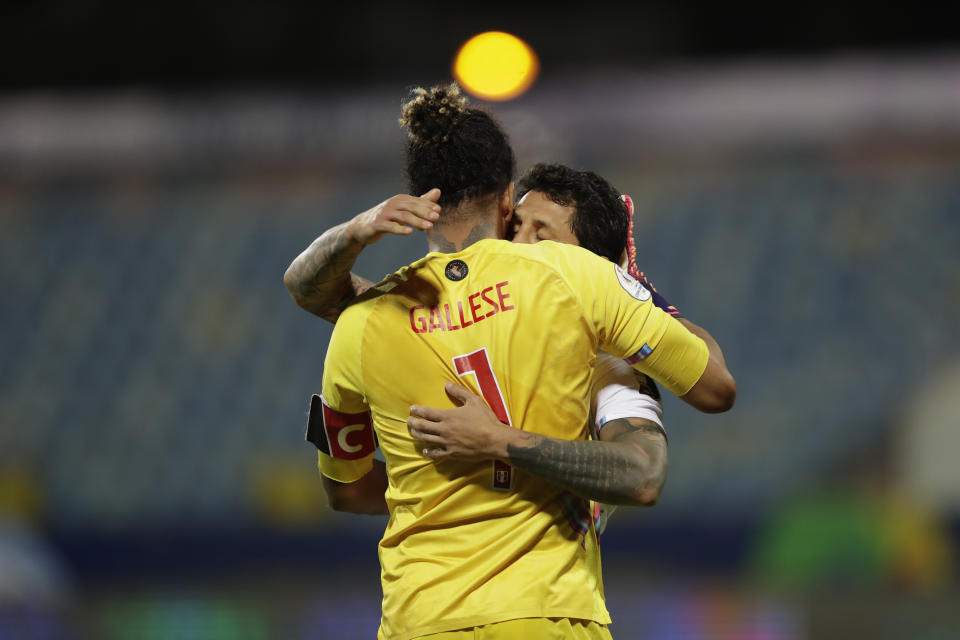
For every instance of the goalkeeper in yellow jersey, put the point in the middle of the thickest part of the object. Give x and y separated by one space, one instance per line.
555 203
472 542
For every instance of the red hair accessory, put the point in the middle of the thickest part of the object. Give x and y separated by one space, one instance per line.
632 267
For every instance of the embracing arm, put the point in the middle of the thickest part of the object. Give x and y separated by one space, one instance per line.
366 495
319 279
716 390
626 466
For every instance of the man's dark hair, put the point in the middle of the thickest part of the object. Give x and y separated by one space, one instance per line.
599 218
460 149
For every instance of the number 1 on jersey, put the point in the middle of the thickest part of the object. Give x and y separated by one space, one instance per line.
478 363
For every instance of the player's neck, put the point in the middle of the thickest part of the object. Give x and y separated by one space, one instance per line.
458 229
457 236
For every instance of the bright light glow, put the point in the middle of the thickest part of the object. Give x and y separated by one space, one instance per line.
495 66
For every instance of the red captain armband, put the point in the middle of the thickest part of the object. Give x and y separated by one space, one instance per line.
346 436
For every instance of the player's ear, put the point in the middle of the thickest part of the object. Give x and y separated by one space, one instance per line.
506 203
506 210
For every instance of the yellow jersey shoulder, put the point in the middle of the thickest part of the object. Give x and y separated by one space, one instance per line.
581 270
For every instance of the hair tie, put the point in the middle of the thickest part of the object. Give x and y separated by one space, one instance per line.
632 267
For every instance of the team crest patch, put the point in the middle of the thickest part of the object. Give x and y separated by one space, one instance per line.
631 285
456 270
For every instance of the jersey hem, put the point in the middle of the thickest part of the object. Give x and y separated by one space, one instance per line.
475 621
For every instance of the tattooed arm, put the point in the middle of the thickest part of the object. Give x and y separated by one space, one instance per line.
319 279
628 465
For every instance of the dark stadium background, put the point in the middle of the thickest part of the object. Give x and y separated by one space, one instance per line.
796 169
107 44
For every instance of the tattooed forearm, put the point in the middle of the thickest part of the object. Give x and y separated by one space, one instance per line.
319 279
628 469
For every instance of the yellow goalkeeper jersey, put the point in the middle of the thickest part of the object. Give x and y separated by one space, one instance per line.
474 542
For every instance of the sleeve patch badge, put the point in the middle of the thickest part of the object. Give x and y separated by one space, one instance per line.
645 350
631 285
